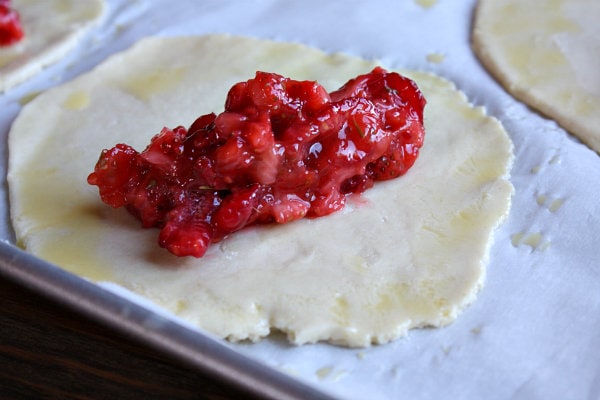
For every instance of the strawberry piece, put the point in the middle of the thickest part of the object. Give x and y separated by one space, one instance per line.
11 30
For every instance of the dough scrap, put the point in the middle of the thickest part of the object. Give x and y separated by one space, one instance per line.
546 54
409 252
52 28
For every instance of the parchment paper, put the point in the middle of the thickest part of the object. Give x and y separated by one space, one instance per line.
534 332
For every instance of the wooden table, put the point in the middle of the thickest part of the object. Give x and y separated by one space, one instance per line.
48 351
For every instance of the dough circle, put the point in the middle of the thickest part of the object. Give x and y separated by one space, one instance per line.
52 28
409 252
546 54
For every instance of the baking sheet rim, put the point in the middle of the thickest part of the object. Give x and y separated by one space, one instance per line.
193 348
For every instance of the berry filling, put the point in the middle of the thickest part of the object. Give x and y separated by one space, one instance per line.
282 150
11 30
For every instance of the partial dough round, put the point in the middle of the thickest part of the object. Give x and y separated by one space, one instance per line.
52 28
547 54
410 252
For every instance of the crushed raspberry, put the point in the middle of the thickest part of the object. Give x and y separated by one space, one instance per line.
281 150
11 30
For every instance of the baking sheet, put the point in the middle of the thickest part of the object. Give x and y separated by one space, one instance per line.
535 329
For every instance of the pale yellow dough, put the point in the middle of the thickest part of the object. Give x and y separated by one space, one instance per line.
52 28
408 253
547 54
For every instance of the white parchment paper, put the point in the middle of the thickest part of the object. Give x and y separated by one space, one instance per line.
534 332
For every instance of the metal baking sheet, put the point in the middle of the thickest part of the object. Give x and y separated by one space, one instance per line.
196 349
533 330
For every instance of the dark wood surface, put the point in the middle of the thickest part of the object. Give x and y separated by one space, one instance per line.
48 351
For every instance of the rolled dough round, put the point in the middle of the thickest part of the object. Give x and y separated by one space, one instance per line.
410 252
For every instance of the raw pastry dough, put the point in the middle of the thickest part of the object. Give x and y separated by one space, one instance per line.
547 54
52 28
409 252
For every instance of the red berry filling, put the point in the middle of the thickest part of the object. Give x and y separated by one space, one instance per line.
281 150
11 30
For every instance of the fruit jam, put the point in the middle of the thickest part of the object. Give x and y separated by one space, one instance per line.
11 30
281 150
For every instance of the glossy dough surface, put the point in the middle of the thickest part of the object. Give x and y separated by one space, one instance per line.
52 28
547 54
408 253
